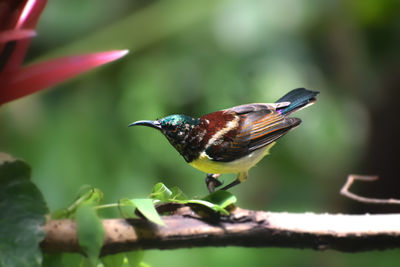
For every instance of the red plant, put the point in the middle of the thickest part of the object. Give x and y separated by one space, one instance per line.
18 19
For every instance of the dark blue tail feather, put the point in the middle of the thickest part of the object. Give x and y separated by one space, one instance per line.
298 99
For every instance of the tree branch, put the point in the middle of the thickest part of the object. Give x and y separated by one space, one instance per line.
244 228
353 177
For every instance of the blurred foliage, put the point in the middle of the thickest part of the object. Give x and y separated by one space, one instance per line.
195 57
22 212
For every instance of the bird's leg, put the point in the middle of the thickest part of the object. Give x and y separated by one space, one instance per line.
212 182
236 182
241 178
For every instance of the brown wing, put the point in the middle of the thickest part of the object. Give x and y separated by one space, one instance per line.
259 125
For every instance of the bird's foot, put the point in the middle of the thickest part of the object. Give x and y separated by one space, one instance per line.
242 176
236 182
212 182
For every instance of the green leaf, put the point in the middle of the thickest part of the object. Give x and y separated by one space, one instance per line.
177 194
127 208
90 232
209 205
71 259
86 195
135 258
86 262
22 212
60 214
90 195
216 201
116 260
144 205
161 192
221 198
52 259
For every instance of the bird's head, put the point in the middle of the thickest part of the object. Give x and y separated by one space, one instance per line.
177 128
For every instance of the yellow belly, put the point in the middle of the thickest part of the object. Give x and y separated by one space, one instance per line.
205 164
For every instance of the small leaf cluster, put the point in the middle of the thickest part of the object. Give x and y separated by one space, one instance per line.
217 201
23 211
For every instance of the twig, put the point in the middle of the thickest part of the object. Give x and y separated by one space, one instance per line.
350 180
242 228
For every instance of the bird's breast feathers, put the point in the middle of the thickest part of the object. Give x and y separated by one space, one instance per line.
206 164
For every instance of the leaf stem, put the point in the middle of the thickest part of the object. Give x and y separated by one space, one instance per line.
107 206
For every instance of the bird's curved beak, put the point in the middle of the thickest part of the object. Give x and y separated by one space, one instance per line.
153 124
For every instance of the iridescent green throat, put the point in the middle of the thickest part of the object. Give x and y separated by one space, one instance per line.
181 131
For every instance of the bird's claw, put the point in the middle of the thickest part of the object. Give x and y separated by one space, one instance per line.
212 182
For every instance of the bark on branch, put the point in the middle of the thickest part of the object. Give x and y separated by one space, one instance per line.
245 228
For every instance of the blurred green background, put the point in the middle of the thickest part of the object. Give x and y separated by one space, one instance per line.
196 57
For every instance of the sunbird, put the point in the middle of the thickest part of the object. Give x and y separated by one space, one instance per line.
232 140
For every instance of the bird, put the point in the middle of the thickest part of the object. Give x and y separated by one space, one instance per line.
231 140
